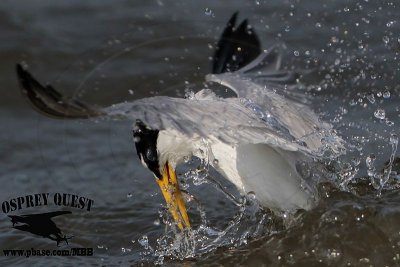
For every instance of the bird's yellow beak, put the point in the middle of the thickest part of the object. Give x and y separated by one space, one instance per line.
173 196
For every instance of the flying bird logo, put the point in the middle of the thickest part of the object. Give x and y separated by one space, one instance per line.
41 225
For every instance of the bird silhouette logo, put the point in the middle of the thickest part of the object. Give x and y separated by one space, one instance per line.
41 225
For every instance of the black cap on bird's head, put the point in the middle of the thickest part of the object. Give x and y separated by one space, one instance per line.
146 147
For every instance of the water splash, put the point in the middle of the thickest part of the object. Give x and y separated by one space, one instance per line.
393 141
250 221
380 180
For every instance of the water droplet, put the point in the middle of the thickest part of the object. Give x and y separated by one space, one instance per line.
333 254
371 98
186 159
355 161
389 123
296 53
208 11
365 20
136 139
379 94
129 195
393 139
389 24
380 113
215 162
386 94
144 241
353 102
364 260
370 160
156 222
131 92
251 195
385 39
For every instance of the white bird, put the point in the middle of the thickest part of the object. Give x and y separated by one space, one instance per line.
254 140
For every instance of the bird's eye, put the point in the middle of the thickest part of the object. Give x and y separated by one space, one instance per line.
151 154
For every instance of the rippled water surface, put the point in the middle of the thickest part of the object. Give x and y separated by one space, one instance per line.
107 52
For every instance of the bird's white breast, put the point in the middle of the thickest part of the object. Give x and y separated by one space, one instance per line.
267 171
223 157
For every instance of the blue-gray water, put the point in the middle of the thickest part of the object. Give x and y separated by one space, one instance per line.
105 52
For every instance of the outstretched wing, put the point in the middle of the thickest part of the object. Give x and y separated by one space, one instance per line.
232 120
50 102
285 124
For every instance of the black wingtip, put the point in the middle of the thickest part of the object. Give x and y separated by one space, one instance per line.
243 25
19 68
232 20
50 102
236 47
23 77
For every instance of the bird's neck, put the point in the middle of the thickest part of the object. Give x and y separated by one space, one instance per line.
176 147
